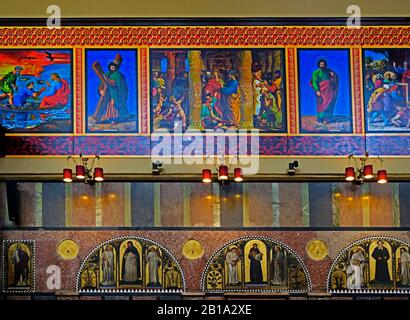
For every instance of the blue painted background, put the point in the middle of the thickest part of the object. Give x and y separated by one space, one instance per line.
128 69
338 61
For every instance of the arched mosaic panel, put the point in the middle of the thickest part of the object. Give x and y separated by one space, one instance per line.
255 264
130 264
371 265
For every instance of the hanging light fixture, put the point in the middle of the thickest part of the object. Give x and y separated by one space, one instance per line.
83 170
206 175
363 171
223 173
382 176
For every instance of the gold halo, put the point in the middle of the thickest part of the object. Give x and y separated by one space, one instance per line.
192 249
317 249
67 249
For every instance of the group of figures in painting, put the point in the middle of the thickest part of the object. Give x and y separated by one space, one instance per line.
256 264
387 80
203 89
218 89
130 263
246 264
372 264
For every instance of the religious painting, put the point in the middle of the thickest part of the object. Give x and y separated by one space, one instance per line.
386 76
18 266
325 94
130 263
36 90
374 263
135 264
108 266
255 263
211 89
111 91
233 270
153 267
403 266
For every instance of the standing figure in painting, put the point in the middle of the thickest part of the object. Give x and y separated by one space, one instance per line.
355 272
232 258
20 260
257 85
8 84
154 262
131 270
180 90
57 94
231 100
381 255
278 266
325 84
113 91
404 267
255 257
107 259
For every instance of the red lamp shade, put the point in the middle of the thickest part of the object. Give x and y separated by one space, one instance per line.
382 176
98 174
206 175
349 174
67 175
237 175
80 171
368 171
223 173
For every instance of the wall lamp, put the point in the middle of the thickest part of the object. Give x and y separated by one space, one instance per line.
363 171
84 170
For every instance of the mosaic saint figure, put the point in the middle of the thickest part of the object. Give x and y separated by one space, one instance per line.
233 258
381 255
107 258
278 267
154 262
404 267
255 257
131 270
20 260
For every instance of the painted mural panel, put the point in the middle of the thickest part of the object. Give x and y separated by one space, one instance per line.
130 264
255 263
325 95
218 88
111 91
386 89
36 90
18 266
372 264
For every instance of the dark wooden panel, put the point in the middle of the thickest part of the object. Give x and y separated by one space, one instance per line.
381 204
27 194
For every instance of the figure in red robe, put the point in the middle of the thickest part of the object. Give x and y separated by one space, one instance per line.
58 93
